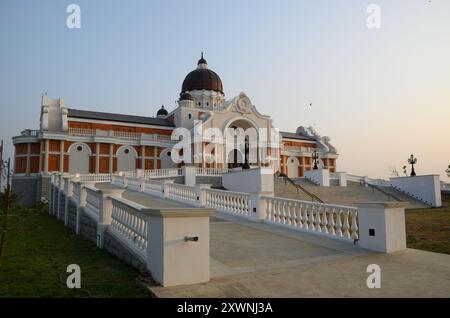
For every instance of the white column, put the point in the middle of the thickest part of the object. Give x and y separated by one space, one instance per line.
28 158
143 157
97 157
61 156
111 161
189 173
46 156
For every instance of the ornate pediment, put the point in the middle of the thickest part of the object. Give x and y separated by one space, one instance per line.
242 104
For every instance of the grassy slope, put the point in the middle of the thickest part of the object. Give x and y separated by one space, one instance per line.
429 229
37 252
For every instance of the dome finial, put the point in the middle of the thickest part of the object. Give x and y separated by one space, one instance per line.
202 60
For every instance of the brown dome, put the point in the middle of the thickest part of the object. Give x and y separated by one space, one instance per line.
202 79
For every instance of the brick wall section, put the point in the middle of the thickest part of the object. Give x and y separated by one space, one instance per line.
26 188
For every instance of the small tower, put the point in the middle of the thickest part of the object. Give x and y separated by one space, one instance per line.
162 112
186 100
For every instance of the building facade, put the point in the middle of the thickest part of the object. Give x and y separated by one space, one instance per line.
79 141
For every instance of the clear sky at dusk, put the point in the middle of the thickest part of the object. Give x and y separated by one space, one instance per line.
380 94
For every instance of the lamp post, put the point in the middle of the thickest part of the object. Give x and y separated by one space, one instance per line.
315 157
448 171
412 161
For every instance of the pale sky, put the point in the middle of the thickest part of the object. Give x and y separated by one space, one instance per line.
379 94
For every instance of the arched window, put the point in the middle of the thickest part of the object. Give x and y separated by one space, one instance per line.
79 158
126 158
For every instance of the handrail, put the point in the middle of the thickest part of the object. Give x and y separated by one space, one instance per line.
312 195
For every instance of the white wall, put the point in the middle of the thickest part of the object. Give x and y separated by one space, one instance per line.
250 180
425 188
319 176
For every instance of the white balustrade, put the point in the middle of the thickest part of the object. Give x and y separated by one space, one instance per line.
211 171
129 226
130 174
333 220
162 173
95 177
81 131
180 192
228 201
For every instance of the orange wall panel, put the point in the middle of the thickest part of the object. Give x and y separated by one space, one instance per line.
35 148
34 164
104 149
21 149
54 145
53 163
20 165
104 165
148 164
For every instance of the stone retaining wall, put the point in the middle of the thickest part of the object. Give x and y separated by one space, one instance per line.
113 246
88 227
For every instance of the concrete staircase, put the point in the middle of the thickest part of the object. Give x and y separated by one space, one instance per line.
343 195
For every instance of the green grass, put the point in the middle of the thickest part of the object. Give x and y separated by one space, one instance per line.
429 229
38 250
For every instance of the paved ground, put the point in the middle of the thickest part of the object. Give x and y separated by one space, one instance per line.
256 260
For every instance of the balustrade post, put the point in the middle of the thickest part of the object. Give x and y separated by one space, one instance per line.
200 193
139 173
69 194
178 246
165 188
81 205
105 212
382 226
60 192
258 207
50 195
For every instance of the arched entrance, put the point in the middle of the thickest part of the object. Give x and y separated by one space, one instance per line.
79 158
292 167
241 144
126 158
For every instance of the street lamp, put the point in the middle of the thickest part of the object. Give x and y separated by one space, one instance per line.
412 161
448 171
315 157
